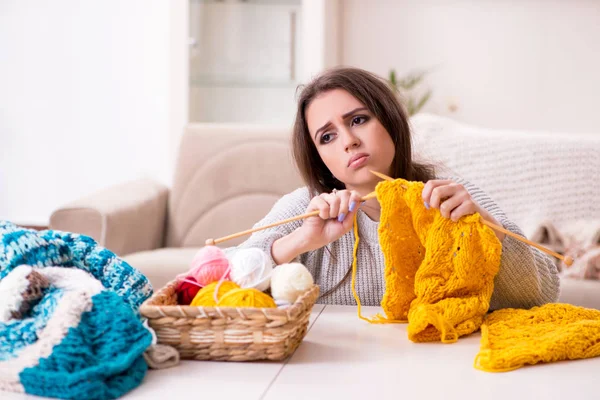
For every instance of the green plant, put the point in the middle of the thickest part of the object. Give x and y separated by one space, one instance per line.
405 87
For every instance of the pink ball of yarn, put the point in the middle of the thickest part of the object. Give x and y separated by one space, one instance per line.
209 265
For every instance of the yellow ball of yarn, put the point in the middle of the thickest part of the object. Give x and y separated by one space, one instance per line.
247 297
206 296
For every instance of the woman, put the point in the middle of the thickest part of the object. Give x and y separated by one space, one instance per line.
348 122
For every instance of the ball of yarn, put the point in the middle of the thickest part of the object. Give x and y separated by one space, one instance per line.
246 297
289 281
186 290
251 268
209 265
206 295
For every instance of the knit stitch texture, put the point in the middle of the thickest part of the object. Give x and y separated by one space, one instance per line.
512 338
55 248
83 337
439 273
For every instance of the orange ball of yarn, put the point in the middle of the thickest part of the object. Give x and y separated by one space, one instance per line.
206 296
247 297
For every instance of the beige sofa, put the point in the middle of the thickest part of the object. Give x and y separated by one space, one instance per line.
228 176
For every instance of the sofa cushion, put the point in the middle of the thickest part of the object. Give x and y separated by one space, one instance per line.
227 178
162 265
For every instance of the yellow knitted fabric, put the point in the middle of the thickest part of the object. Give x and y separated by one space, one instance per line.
439 274
512 338
439 277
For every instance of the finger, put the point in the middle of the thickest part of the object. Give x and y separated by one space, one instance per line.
449 204
442 192
334 204
428 188
344 197
313 205
355 200
318 203
348 222
465 208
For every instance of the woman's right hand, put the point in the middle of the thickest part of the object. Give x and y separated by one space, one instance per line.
335 219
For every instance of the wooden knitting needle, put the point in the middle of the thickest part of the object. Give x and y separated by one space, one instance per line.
212 242
567 260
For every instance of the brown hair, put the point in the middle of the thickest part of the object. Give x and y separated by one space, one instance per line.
378 97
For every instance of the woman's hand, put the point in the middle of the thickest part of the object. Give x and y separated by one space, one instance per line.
454 201
335 219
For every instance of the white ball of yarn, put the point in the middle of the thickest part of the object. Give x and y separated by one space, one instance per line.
251 268
289 281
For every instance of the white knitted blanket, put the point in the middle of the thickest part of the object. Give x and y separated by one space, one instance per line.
533 176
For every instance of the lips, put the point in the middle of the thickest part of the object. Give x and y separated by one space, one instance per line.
357 160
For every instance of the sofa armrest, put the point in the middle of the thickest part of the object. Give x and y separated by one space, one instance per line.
123 218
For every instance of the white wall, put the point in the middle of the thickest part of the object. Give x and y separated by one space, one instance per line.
84 85
530 64
245 62
84 99
246 75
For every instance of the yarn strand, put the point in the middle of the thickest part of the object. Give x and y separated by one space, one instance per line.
378 318
218 285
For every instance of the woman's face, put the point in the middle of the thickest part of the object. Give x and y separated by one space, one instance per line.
349 139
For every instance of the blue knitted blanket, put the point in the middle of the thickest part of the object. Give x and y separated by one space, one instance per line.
69 322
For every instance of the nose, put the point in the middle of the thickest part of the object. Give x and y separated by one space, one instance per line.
350 140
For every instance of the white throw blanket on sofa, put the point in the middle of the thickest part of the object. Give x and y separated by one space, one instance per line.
533 176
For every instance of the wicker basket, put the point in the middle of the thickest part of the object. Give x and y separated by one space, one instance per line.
228 333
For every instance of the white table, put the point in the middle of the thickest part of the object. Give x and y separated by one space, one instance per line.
344 357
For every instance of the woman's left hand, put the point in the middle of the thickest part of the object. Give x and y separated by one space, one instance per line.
454 201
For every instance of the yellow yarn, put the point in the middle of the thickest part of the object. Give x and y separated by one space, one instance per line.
206 296
513 338
439 274
353 285
377 319
246 297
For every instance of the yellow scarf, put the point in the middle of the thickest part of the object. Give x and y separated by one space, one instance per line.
439 277
512 338
439 274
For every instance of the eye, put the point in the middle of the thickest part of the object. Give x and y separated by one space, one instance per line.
359 120
326 138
